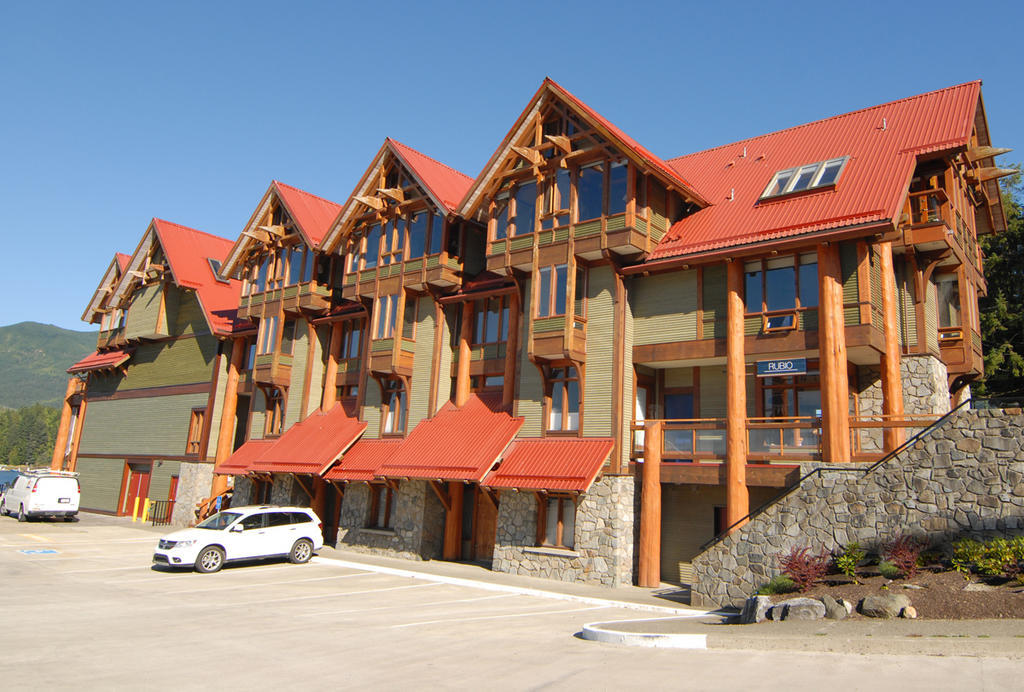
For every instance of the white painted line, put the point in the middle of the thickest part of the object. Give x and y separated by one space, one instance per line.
419 606
337 594
500 617
506 588
236 587
101 569
34 537
592 632
187 573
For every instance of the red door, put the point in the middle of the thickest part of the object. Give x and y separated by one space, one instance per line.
137 486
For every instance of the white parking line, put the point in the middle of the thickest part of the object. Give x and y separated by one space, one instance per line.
338 594
236 587
322 613
101 569
189 574
499 617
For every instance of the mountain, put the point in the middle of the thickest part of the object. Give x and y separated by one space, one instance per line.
33 360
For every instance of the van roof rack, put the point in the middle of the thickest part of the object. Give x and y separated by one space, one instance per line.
49 472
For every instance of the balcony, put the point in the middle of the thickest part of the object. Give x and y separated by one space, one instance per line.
110 338
392 356
309 296
433 271
934 224
273 369
558 338
960 348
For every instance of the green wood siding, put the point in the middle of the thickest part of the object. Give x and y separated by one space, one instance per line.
218 404
931 327
258 420
101 483
150 426
712 391
144 313
530 404
188 316
851 286
665 307
908 313
160 479
597 386
419 397
166 363
444 368
628 396
714 302
297 387
877 313
679 377
371 408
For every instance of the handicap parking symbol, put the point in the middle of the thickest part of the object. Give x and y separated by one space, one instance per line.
39 551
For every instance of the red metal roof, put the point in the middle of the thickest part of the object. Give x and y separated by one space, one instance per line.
312 445
456 444
551 464
122 260
189 253
313 215
882 143
101 361
362 460
446 184
240 462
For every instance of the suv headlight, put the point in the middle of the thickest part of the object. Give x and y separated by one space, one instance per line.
184 544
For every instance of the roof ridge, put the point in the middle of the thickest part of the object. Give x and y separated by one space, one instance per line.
307 193
430 158
194 230
826 119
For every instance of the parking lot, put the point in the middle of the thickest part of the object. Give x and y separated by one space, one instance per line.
81 606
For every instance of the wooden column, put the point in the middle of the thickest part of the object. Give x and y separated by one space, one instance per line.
835 384
330 396
318 502
465 356
508 392
649 571
76 436
737 497
59 447
226 434
452 549
892 380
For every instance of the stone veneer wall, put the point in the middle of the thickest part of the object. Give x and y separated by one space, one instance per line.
925 384
603 542
965 478
242 493
194 481
418 522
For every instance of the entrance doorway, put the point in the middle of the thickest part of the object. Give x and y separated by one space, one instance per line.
136 485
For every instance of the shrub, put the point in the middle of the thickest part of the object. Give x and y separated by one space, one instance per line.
904 552
966 553
804 568
993 558
889 570
778 585
847 561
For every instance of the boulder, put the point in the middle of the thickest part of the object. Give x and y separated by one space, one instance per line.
799 609
884 605
910 613
846 604
833 609
755 610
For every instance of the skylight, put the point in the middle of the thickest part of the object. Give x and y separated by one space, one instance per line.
215 268
809 177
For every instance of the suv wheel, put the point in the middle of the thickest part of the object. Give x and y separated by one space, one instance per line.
301 551
210 559
21 514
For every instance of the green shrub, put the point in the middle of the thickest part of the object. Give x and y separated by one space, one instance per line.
966 552
995 557
847 561
780 584
889 570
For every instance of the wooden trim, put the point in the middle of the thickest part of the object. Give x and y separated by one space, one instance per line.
442 495
147 392
452 548
864 281
146 457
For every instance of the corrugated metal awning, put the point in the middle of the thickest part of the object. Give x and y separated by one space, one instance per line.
551 464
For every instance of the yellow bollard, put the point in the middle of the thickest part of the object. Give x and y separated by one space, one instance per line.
135 509
145 509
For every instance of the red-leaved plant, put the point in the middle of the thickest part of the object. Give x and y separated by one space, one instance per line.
803 567
904 552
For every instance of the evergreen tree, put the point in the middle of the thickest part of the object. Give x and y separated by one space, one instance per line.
1002 310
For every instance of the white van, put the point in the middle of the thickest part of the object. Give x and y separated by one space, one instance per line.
43 493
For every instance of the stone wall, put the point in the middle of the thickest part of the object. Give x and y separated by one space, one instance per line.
603 540
965 478
194 479
242 494
925 384
418 522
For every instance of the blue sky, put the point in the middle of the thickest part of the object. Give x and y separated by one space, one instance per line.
113 113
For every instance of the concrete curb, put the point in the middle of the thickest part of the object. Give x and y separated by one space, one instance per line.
593 632
508 588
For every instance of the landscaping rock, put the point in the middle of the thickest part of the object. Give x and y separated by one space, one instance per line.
846 604
884 606
755 610
798 609
978 586
910 613
833 609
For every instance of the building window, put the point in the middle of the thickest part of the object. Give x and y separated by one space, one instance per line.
351 335
288 337
501 211
382 499
395 406
386 316
809 177
490 320
418 234
777 288
275 412
590 191
552 290
556 521
267 341
948 302
526 207
195 430
480 384
557 200
298 256
393 246
372 249
563 385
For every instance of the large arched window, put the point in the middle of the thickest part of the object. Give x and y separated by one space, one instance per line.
395 404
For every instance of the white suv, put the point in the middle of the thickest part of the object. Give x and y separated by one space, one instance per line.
243 533
43 493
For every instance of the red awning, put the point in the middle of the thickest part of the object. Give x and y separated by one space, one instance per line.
240 463
362 460
312 445
456 444
101 360
556 464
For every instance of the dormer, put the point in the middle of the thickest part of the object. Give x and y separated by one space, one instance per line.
568 184
103 311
